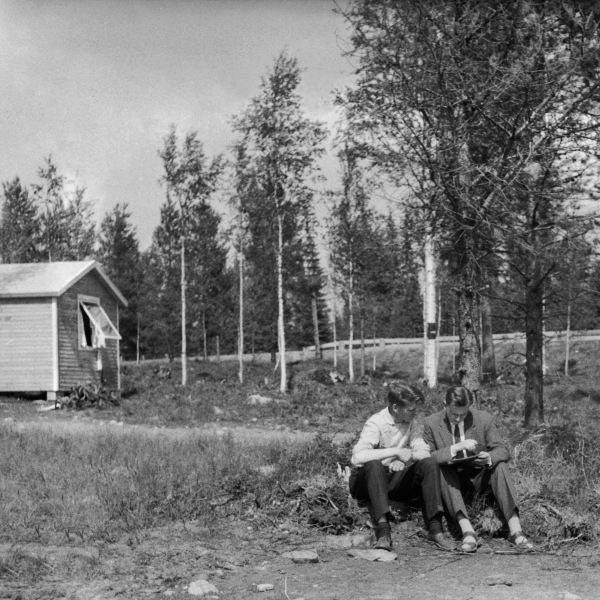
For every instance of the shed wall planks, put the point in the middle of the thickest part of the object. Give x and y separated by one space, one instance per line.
26 349
78 365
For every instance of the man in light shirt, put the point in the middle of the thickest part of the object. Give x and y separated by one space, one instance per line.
473 457
393 462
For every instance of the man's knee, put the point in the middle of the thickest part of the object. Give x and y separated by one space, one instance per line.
429 464
449 474
372 467
500 470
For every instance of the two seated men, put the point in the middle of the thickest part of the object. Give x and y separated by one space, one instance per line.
397 460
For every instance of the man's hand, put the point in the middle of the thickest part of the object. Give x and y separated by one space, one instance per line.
483 459
404 454
397 465
466 445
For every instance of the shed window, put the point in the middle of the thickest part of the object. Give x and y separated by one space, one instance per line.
96 327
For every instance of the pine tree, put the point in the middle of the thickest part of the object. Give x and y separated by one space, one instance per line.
312 282
351 234
67 226
160 297
118 253
209 280
19 225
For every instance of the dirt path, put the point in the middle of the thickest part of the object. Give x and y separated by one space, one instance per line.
238 557
59 423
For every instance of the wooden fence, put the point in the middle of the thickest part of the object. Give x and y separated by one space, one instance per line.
380 344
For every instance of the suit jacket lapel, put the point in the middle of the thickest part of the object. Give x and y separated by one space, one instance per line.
446 429
469 424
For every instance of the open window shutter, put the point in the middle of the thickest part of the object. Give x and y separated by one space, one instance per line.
103 326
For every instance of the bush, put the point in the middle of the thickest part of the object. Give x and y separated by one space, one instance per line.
89 396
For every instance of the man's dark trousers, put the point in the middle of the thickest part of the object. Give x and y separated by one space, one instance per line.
374 482
493 483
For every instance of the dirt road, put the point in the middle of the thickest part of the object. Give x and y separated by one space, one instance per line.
236 557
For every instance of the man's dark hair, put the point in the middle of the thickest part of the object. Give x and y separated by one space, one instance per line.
403 394
459 396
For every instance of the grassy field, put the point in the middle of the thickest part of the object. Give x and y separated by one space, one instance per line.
173 455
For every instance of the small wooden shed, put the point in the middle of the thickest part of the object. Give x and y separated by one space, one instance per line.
58 327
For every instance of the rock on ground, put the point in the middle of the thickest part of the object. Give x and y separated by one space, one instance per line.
201 587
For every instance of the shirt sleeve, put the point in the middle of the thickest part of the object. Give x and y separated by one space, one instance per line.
418 446
368 440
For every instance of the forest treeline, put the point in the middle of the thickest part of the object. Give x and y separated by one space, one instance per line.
477 120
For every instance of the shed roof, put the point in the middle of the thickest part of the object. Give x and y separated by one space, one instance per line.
42 280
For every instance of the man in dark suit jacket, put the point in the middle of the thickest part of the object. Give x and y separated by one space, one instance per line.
462 431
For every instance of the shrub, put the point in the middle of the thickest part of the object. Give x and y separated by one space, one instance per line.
89 396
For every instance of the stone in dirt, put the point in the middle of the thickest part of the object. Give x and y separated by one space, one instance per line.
264 587
302 556
343 542
569 596
374 555
498 579
257 399
201 587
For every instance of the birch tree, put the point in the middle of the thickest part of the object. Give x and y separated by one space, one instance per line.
282 146
190 180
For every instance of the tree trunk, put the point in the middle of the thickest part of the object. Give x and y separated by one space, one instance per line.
374 357
362 344
137 338
453 345
183 323
422 288
334 330
218 347
568 334
204 338
315 316
439 323
534 343
469 367
335 348
350 332
429 300
488 358
280 316
544 363
241 322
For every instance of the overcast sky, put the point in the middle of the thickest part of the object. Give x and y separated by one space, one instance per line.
96 83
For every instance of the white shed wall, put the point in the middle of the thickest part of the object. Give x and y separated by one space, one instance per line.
26 345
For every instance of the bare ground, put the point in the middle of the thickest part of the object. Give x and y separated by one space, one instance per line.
236 556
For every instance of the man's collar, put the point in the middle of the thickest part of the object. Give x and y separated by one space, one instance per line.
466 421
388 416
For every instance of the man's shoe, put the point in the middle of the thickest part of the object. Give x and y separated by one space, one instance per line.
439 540
467 545
383 543
524 545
